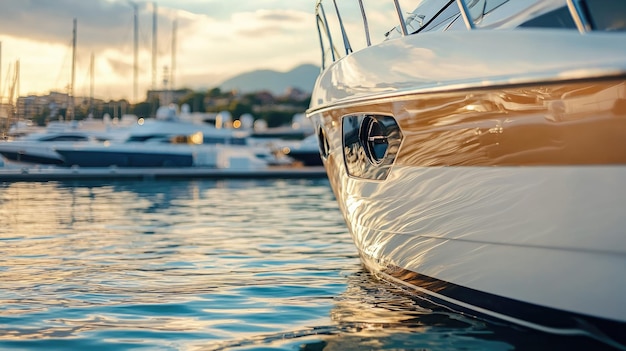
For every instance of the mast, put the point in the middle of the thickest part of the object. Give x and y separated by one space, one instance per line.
173 68
91 82
3 127
17 89
13 92
136 49
70 105
154 45
1 92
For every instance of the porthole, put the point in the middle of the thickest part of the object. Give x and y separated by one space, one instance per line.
370 145
322 142
375 142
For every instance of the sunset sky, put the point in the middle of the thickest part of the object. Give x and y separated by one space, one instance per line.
216 39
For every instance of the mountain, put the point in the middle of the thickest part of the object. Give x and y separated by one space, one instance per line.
302 77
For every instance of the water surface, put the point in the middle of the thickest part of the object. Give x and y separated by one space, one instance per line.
207 265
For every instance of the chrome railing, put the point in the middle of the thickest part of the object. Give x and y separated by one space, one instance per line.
579 11
576 9
330 52
465 13
324 30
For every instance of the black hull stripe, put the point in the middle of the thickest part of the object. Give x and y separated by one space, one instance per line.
124 159
481 304
20 157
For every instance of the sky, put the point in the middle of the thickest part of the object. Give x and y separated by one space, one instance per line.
215 40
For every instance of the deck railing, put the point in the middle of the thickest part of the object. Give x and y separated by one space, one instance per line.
470 12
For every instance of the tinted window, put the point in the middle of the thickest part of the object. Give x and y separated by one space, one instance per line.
607 14
559 18
66 138
492 4
478 8
447 15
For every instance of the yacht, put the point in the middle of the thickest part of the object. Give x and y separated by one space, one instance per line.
171 139
39 145
476 151
304 151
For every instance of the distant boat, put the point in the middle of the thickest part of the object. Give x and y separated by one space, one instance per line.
166 141
38 146
478 156
306 151
22 128
167 155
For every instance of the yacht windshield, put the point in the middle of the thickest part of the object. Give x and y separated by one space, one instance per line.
424 13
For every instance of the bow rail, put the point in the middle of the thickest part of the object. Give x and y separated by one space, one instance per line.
339 23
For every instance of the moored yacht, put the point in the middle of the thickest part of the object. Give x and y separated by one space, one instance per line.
169 140
304 151
39 146
477 155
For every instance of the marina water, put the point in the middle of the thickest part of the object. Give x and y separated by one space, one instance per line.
209 265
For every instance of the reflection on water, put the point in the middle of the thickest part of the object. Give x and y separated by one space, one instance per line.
203 265
372 315
165 263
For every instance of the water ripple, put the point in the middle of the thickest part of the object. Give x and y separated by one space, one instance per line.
201 265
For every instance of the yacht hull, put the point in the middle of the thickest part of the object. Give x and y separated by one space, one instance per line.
125 158
30 152
503 197
32 158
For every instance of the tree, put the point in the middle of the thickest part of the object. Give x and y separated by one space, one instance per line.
195 100
142 109
215 92
238 108
42 118
277 118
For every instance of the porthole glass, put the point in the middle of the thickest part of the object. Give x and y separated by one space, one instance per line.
374 140
322 142
370 145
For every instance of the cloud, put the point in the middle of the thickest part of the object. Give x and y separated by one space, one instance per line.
215 40
51 21
119 67
267 23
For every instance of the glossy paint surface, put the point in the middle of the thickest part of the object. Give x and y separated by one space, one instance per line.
450 61
508 179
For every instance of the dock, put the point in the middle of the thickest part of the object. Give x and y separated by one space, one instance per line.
42 174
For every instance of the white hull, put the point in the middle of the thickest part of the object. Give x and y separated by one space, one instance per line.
30 152
543 235
488 176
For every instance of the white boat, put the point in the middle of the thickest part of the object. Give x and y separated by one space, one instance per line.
477 154
169 140
305 151
22 128
39 147
157 155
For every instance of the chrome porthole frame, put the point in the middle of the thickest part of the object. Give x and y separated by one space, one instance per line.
322 143
370 145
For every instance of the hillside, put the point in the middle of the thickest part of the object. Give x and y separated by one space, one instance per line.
302 77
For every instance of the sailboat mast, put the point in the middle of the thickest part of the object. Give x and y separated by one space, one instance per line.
17 89
154 46
136 50
173 69
70 105
9 105
91 81
3 127
1 92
